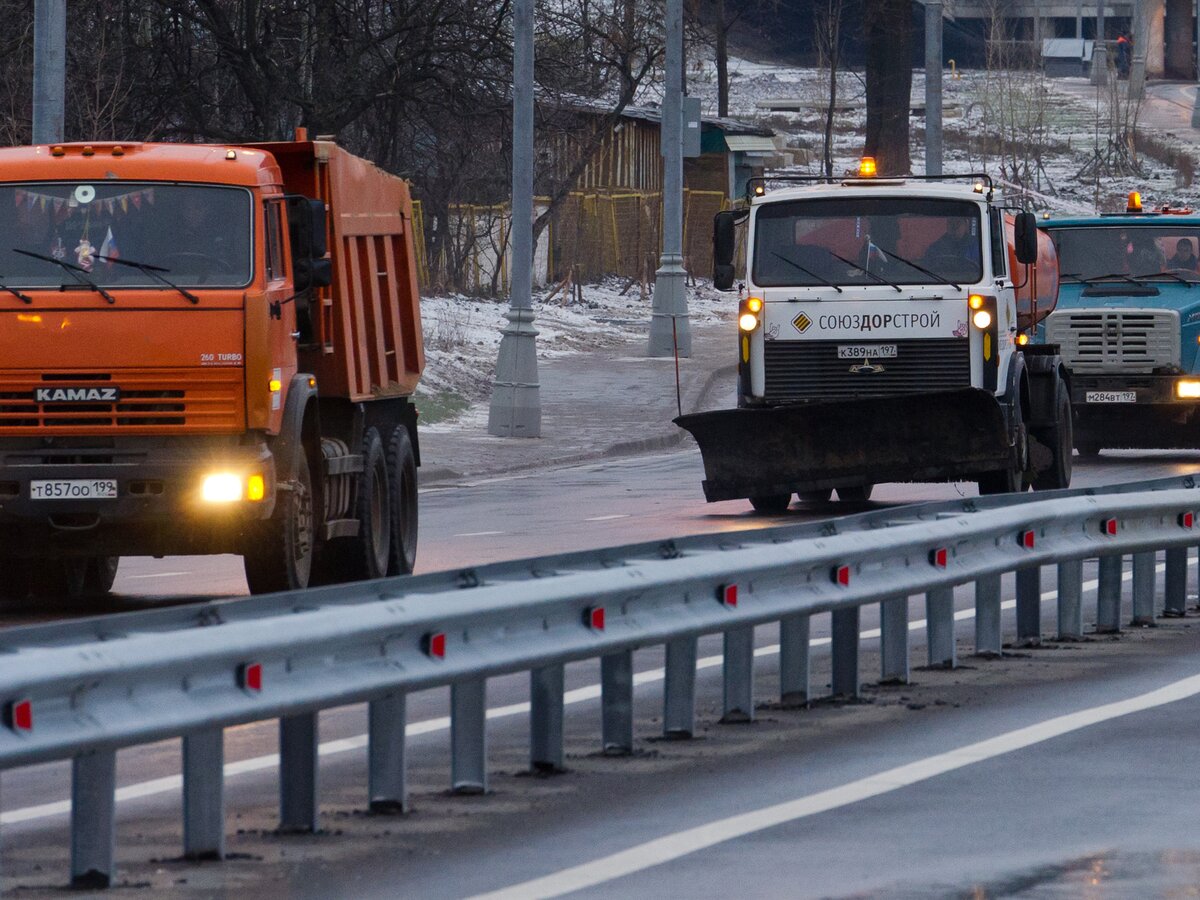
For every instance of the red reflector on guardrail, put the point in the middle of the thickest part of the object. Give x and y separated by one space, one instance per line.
434 644
939 557
20 715
594 617
841 575
250 677
727 594
1109 527
1187 520
1026 539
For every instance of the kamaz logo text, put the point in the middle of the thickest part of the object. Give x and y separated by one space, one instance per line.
77 395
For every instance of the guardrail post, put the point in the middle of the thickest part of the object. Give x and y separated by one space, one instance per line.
468 737
298 808
546 719
844 650
739 675
679 689
93 815
387 779
1029 606
893 641
616 703
1175 583
793 660
1143 588
939 627
1108 595
1070 600
989 636
204 794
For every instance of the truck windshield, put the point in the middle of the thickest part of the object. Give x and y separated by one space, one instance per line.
892 239
201 234
1134 250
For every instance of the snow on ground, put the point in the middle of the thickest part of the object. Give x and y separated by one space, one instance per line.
1068 120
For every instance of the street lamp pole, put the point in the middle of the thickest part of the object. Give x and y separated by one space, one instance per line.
516 408
670 331
49 69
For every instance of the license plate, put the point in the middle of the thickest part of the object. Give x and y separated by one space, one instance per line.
867 351
74 489
1110 396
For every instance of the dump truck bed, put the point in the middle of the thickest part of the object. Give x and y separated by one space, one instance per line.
367 324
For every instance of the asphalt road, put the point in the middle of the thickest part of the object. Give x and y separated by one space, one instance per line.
452 846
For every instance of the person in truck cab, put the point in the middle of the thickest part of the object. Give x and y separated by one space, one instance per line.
1144 256
956 243
1185 256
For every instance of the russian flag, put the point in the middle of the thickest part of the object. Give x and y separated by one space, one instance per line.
109 247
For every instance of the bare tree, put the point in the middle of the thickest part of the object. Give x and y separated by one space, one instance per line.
827 38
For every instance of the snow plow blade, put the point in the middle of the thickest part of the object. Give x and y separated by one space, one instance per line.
948 436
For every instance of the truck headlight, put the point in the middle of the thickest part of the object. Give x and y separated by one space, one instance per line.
982 319
747 321
1187 389
221 487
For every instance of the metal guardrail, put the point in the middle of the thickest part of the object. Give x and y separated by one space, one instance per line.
84 689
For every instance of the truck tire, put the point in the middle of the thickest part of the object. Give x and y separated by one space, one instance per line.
813 498
859 493
771 503
367 555
402 472
1010 480
15 579
279 554
1059 439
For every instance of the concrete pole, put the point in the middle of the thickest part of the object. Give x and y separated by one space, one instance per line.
669 324
933 87
1196 100
1100 50
516 409
49 69
1137 67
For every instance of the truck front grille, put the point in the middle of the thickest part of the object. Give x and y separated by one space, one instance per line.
1097 341
811 370
151 402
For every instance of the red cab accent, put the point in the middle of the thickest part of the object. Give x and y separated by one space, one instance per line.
729 595
841 575
20 715
1109 526
250 677
939 557
435 644
595 618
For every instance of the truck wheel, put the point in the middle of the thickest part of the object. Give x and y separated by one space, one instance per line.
812 498
771 503
366 555
402 471
280 552
1012 479
859 493
1058 438
15 579
1088 449
66 582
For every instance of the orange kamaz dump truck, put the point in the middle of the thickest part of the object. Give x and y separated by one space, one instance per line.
205 349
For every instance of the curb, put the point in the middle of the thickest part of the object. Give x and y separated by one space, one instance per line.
664 441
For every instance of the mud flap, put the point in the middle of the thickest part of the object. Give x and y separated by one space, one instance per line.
947 436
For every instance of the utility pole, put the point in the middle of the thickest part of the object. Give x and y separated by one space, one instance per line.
670 331
1196 101
49 70
933 87
1100 49
516 409
1137 66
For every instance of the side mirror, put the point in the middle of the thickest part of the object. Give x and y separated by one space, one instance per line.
1025 238
322 273
724 244
306 233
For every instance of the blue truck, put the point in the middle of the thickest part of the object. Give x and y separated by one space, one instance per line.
1128 326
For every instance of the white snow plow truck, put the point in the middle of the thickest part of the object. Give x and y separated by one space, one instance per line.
883 335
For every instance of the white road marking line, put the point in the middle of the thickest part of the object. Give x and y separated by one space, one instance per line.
606 518
683 843
478 533
155 575
442 723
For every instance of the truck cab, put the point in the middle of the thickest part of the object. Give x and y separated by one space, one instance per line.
882 337
1128 326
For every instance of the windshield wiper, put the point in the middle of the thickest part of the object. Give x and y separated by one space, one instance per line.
23 297
792 262
73 269
153 272
855 265
1120 275
908 262
1171 275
